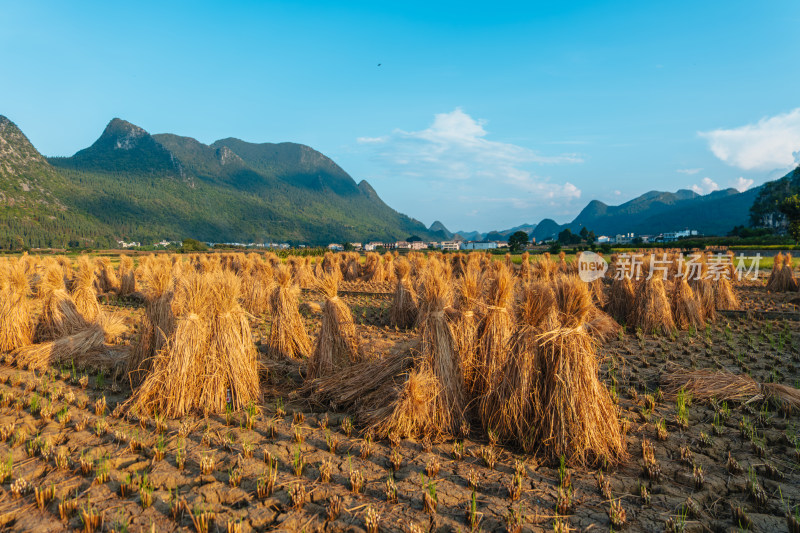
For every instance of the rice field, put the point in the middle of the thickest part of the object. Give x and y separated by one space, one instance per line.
232 392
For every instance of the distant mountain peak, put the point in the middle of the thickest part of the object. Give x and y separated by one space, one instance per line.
440 229
17 154
123 134
124 147
118 125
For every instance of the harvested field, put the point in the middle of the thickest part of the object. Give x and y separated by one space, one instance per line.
72 454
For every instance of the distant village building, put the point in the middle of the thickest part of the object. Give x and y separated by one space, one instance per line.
333 247
479 245
675 235
449 246
402 245
624 238
604 239
371 246
418 245
124 244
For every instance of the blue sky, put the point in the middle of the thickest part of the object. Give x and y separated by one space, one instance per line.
483 116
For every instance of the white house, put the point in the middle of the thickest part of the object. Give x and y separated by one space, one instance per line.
478 245
451 246
625 238
675 235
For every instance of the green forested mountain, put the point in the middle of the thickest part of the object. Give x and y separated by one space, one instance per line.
32 212
658 212
771 194
131 185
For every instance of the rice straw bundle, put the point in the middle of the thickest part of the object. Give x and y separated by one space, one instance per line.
272 258
106 277
388 268
403 312
66 266
417 261
704 292
352 268
158 320
288 336
600 325
705 384
60 316
369 385
127 276
777 267
86 347
407 409
782 277
510 407
373 268
788 397
438 345
178 369
575 416
308 272
431 400
597 290
459 264
16 326
256 286
330 264
724 295
651 308
686 308
525 273
231 373
83 293
337 344
465 322
494 330
209 362
52 280
543 269
301 272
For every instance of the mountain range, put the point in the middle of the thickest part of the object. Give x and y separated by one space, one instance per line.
133 186
652 213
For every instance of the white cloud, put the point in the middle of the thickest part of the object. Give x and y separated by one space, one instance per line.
769 144
706 186
455 149
689 171
742 184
